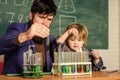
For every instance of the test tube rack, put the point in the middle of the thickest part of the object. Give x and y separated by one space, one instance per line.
72 63
32 65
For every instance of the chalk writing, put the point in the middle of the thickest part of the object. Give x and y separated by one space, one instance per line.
27 18
22 3
3 1
64 20
20 17
66 6
11 17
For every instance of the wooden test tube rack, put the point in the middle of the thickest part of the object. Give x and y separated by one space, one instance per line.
72 65
76 72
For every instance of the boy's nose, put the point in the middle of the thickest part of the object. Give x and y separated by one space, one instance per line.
76 41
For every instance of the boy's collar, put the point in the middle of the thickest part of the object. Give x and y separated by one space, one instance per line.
80 50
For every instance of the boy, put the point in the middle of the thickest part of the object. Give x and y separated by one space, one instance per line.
74 39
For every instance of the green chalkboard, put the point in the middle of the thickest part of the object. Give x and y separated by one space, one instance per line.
13 11
91 13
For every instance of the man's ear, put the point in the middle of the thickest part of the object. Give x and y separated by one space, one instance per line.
30 15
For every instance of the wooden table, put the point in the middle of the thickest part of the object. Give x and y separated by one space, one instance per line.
100 75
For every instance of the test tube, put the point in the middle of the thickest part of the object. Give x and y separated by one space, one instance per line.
63 61
79 60
59 59
87 60
29 61
66 60
82 66
70 60
25 61
25 58
55 61
73 60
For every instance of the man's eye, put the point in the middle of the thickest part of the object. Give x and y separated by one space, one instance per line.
50 19
41 17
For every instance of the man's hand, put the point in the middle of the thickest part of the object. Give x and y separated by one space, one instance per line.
39 30
35 29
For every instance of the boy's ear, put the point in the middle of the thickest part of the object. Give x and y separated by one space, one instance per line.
84 43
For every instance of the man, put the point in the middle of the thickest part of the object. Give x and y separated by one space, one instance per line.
20 36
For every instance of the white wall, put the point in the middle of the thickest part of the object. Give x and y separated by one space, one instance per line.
112 54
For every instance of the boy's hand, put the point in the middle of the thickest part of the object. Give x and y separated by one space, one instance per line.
73 31
96 56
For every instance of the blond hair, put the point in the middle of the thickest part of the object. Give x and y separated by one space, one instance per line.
82 31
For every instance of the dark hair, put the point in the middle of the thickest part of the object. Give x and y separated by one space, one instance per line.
44 7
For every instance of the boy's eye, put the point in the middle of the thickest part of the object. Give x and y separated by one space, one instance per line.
79 39
72 38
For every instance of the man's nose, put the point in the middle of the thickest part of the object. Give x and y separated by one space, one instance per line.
44 22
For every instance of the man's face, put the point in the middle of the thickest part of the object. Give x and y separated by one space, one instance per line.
43 19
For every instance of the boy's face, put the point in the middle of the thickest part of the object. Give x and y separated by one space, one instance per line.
42 19
75 44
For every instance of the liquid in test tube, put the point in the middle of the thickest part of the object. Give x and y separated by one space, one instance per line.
70 60
73 61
